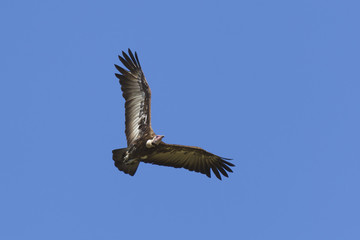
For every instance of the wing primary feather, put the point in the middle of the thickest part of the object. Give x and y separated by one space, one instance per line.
129 61
228 163
126 64
207 172
132 57
137 59
124 72
216 172
226 167
223 171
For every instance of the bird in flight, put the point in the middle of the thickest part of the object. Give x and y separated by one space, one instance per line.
143 145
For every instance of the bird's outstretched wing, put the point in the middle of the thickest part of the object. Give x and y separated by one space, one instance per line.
191 158
137 94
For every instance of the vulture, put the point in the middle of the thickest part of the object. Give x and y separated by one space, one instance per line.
143 145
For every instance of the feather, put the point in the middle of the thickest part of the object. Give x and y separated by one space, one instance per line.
133 66
137 59
132 58
191 158
137 96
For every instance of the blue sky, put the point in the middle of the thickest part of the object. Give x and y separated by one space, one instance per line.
272 84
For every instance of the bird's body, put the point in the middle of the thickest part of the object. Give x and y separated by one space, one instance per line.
143 144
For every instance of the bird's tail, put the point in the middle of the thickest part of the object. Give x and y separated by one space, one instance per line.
128 168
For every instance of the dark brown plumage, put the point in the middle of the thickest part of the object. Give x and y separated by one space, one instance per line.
143 144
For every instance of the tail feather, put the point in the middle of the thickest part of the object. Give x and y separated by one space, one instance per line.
118 156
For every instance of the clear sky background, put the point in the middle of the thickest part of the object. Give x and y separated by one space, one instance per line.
274 85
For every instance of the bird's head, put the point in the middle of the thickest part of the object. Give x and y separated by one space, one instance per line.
154 141
157 139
